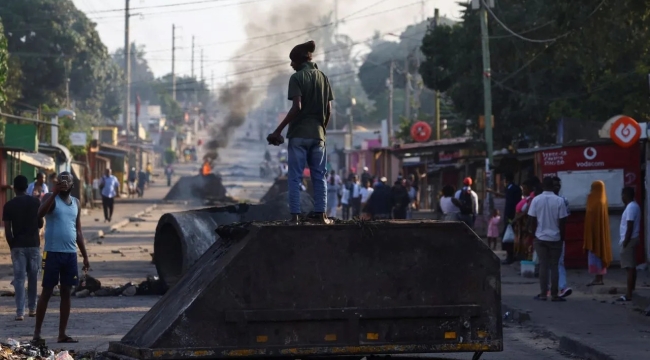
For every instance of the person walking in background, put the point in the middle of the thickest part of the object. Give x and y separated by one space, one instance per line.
345 200
63 235
468 202
401 200
630 230
512 196
110 189
38 188
597 238
562 284
493 229
169 172
21 221
332 195
413 196
449 205
366 192
355 197
380 204
311 96
547 213
142 181
149 172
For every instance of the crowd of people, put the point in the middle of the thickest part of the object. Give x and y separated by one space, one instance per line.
36 206
371 197
534 224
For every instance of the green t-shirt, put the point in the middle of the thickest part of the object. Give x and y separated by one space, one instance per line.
314 88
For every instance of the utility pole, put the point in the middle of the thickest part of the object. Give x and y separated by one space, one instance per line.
202 78
127 71
192 56
67 93
436 17
422 3
487 94
407 90
212 81
390 102
173 61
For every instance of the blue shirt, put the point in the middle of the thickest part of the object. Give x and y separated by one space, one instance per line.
61 226
111 186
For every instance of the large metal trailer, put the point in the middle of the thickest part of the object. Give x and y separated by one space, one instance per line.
352 289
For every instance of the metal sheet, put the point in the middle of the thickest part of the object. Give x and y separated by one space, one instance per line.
36 159
346 289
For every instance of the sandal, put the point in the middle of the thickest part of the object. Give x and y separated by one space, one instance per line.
20 318
67 340
624 299
540 297
32 314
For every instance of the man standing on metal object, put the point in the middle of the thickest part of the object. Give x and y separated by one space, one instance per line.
311 94
62 236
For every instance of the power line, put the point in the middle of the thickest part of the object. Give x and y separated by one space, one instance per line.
158 6
112 17
505 27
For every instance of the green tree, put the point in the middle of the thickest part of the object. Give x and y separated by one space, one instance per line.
53 42
593 66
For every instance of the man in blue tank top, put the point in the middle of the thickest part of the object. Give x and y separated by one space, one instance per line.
62 236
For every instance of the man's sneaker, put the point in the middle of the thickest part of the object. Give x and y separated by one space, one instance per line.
565 292
319 218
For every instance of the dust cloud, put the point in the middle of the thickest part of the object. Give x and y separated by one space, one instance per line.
272 32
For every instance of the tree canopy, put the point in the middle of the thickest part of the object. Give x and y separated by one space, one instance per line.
580 59
51 41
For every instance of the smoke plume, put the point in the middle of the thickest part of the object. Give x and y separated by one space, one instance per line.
262 58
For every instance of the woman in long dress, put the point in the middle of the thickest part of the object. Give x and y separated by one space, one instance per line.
597 239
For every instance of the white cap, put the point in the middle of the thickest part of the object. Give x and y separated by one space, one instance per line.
365 168
383 179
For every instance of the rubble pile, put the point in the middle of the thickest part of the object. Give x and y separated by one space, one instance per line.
15 350
280 186
90 286
202 188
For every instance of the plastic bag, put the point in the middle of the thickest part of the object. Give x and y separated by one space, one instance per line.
509 236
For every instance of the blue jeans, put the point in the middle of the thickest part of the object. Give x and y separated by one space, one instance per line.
310 152
26 263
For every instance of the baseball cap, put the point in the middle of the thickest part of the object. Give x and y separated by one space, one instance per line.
467 181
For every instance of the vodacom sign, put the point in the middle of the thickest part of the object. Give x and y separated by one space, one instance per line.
625 131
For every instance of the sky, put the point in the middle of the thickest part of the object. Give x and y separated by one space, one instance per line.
221 27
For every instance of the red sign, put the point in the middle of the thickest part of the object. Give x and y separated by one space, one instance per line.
625 132
596 157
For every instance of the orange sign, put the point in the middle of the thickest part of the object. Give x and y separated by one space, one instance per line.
625 132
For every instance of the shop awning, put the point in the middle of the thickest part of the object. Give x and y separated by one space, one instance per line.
39 160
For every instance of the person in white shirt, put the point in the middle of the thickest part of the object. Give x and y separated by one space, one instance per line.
365 192
630 231
547 215
110 188
449 205
38 188
345 201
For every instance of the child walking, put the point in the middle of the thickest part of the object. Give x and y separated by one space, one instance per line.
493 229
